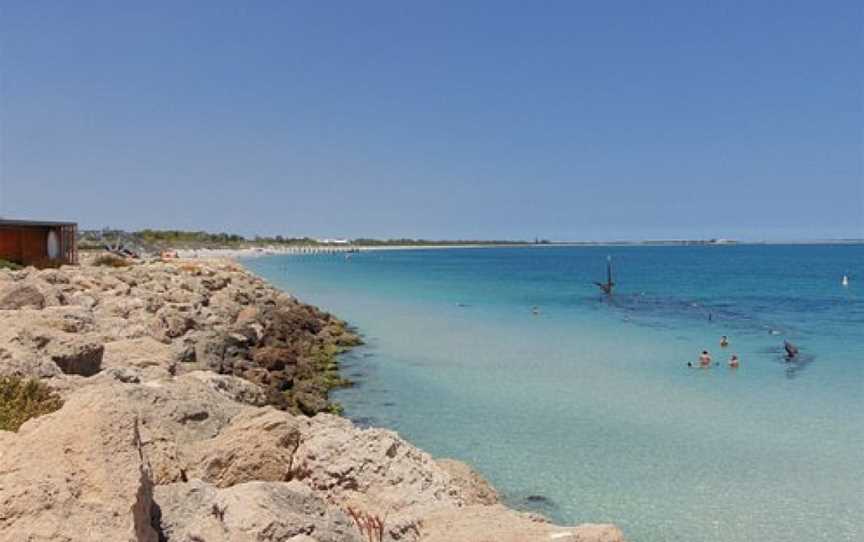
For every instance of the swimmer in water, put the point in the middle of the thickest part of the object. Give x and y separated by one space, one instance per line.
734 362
704 359
535 310
724 341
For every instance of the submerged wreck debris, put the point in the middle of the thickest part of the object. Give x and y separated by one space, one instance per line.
791 350
794 360
607 287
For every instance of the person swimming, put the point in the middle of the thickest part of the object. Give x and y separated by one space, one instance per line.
791 350
704 359
535 310
724 341
734 362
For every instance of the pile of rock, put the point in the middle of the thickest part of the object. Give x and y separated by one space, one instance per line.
170 318
170 374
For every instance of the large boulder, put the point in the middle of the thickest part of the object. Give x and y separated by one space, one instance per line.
53 276
174 415
69 319
171 322
76 355
154 358
274 358
21 295
233 387
341 458
250 512
467 482
77 474
310 403
210 351
44 343
257 445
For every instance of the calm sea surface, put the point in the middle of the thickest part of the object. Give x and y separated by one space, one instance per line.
589 408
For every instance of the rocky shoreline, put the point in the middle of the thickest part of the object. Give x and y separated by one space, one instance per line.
194 408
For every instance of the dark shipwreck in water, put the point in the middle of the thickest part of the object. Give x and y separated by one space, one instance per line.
606 287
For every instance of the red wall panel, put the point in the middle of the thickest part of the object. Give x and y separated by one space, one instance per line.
24 245
10 245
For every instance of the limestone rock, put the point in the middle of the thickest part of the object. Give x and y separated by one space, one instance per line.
342 460
53 276
257 445
254 511
128 375
69 319
310 403
210 351
154 358
20 296
122 307
274 358
76 355
171 322
246 315
232 387
174 415
76 474
83 300
499 524
473 487
44 343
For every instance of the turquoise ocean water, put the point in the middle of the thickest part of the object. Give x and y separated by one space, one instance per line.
587 412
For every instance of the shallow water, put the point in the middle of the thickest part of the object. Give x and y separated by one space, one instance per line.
590 404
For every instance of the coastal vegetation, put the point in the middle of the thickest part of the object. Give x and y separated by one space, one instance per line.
5 264
22 399
155 241
158 240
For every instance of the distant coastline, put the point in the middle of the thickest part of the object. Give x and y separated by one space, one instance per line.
191 243
276 250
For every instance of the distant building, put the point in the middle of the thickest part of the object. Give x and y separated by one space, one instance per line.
29 242
333 241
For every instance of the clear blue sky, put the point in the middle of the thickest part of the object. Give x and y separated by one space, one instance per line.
463 119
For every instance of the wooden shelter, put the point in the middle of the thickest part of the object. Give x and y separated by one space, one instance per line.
30 242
